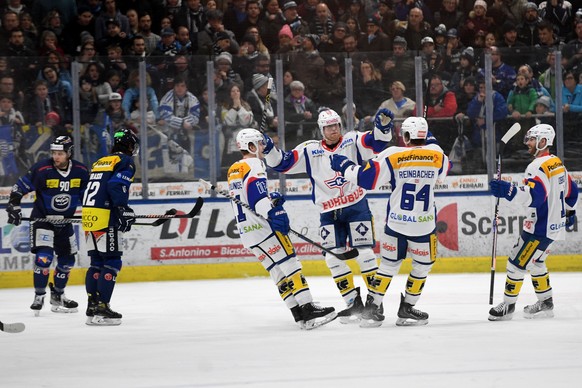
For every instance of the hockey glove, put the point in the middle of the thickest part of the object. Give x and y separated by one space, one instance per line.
279 220
277 199
384 121
502 189
125 218
269 144
14 214
571 218
340 163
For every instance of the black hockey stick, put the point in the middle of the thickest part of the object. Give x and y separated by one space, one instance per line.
511 132
263 126
352 253
161 217
16 327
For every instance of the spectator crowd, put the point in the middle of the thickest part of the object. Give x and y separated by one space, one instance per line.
108 39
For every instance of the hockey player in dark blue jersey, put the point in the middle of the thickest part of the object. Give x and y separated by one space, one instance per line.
106 216
59 183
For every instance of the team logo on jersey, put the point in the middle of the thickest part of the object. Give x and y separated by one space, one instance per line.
61 202
337 182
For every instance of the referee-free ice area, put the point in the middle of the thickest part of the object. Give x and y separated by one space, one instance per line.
235 333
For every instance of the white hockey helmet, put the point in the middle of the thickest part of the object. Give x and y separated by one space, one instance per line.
414 128
248 136
328 117
541 131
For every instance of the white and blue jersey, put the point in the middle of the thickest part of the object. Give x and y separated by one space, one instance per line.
549 191
412 173
330 190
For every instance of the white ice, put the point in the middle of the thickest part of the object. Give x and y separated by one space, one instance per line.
231 333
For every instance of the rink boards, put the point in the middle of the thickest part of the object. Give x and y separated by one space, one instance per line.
208 247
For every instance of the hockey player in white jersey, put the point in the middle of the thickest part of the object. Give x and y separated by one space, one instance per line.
267 237
344 211
410 228
550 195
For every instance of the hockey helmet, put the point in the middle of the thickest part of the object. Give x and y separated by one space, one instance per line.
248 136
63 143
125 141
541 131
414 128
328 117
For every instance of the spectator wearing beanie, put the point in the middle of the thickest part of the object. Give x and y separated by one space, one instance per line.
514 51
466 69
257 100
477 21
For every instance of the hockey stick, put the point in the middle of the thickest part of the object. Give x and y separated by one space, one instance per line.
16 327
263 126
511 132
342 256
161 217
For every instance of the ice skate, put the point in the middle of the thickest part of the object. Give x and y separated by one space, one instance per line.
60 303
353 313
409 316
296 311
316 316
540 309
36 306
104 316
92 303
372 315
502 312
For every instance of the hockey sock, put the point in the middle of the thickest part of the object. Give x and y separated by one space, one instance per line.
512 288
542 286
41 271
380 285
300 288
285 290
345 284
61 277
91 279
106 283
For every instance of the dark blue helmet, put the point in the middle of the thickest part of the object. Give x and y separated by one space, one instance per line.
63 143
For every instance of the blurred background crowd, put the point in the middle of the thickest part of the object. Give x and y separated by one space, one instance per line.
188 74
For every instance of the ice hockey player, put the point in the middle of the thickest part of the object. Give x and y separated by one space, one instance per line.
344 212
550 195
106 216
267 236
58 183
410 229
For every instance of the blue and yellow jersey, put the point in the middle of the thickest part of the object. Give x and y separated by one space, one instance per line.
58 192
108 187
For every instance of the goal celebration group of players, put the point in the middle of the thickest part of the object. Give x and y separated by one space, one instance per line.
341 167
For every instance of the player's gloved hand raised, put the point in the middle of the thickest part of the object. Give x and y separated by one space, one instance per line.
279 220
125 218
277 199
269 144
340 163
502 189
571 218
14 214
384 120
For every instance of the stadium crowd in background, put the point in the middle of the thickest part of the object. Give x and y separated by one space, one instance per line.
39 40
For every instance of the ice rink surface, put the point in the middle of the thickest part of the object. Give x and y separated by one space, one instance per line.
234 333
